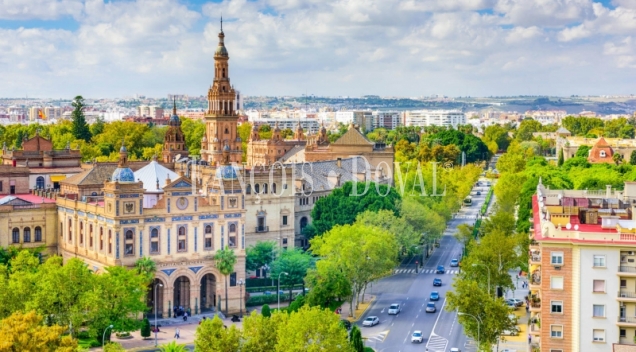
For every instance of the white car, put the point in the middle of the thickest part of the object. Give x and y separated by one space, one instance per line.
371 321
417 336
394 309
455 349
512 332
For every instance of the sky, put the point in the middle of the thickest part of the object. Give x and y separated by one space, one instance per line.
408 48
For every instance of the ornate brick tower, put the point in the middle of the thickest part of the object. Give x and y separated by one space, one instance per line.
221 117
174 142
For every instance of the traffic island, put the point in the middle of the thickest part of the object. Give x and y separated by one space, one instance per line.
362 308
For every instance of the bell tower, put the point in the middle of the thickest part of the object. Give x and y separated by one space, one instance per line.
221 117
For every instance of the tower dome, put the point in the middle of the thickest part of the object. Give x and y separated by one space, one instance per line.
123 173
174 119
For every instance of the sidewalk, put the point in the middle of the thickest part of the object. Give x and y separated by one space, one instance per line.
168 326
362 308
519 342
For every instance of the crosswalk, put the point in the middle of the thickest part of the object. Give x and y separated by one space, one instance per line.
424 271
470 345
461 216
436 343
379 338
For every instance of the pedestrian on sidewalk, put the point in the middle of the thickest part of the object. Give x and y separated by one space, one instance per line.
176 333
529 339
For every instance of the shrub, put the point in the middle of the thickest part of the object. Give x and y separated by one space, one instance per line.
265 311
296 304
145 328
265 299
113 347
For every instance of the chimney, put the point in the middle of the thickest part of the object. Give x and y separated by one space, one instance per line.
339 162
608 191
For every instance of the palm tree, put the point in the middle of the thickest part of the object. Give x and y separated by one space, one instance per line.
147 267
173 347
225 261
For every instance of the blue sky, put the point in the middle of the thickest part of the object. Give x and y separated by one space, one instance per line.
60 48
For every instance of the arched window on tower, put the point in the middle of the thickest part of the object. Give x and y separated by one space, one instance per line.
224 75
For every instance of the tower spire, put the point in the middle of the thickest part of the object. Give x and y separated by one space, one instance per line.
221 23
174 105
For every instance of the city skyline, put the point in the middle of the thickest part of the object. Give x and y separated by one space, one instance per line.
60 49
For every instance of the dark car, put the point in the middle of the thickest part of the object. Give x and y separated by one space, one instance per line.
345 324
478 193
434 296
440 269
437 282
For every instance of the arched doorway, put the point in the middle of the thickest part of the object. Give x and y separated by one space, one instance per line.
150 300
39 182
182 293
303 223
208 292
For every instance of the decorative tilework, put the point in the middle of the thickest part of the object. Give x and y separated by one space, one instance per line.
182 184
195 239
168 271
209 216
81 213
100 218
91 216
195 269
181 193
232 216
155 219
130 221
181 218
110 221
168 241
129 196
117 245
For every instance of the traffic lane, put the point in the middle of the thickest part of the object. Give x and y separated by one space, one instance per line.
401 329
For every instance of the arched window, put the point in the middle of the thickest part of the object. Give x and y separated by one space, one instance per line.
15 238
90 235
223 73
182 231
273 188
38 234
264 188
256 188
227 131
232 227
81 232
27 234
39 182
129 243
154 241
248 189
70 231
208 229
94 194
182 244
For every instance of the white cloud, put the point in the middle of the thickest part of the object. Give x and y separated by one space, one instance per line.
331 47
39 9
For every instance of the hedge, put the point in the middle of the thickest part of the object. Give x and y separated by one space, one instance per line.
484 207
265 299
272 288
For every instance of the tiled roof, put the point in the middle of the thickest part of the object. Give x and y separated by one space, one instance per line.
290 153
353 137
95 176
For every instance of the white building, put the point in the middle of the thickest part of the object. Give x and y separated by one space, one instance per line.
311 125
364 119
424 118
386 119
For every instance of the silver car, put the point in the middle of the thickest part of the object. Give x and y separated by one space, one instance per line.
394 309
371 321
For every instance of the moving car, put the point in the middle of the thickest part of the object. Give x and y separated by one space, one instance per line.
371 321
417 336
430 307
345 324
455 349
516 301
454 263
434 296
478 193
394 309
440 269
437 282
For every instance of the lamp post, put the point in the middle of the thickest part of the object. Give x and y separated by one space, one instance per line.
104 336
278 292
241 283
155 302
488 269
478 324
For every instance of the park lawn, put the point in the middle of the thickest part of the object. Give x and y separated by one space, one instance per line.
88 342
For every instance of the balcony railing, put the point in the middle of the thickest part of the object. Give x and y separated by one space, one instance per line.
629 320
627 269
262 229
626 294
535 259
535 304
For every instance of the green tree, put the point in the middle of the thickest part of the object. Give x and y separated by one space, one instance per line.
173 346
113 347
464 234
511 162
474 147
146 267
212 336
327 283
80 127
312 329
560 161
407 238
26 332
497 134
298 302
345 203
97 127
225 260
260 254
617 158
526 129
265 311
286 133
632 158
583 151
350 249
581 126
260 332
295 263
145 328
355 338
193 131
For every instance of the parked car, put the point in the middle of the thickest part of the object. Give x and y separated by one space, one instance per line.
511 305
437 282
478 193
512 332
440 269
517 302
434 296
454 263
430 307
455 349
394 309
513 318
417 336
371 321
345 324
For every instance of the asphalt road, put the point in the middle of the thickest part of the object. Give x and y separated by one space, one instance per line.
411 290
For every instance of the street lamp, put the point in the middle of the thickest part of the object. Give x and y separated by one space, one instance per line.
278 292
478 324
104 336
488 269
241 283
155 302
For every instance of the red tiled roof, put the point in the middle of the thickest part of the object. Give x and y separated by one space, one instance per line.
30 198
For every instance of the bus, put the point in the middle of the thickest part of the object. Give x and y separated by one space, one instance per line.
468 201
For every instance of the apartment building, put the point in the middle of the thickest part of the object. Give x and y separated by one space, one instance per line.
583 269
423 118
386 119
155 112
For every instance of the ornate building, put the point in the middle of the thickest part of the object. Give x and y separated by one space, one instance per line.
221 116
268 151
174 142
